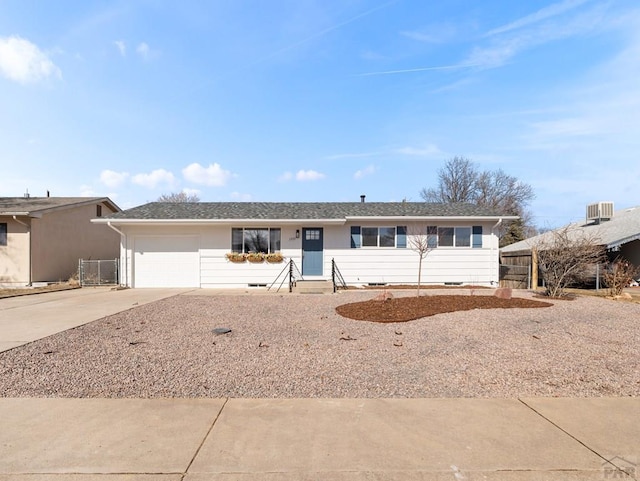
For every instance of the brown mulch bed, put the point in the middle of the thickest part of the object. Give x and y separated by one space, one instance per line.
403 309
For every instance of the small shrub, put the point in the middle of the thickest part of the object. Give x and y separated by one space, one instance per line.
619 274
565 258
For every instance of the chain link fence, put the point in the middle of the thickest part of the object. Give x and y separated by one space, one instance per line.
98 272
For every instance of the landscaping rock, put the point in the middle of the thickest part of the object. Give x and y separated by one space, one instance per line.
221 330
503 293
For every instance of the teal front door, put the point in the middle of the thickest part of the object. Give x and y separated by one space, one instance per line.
312 251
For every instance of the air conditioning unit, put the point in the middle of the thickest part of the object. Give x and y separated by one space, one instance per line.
600 211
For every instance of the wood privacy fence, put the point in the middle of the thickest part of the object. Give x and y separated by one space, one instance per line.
515 277
519 270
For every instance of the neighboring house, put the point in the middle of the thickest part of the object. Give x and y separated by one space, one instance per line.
617 231
42 238
186 244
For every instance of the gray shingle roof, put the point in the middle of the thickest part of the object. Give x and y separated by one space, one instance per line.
623 227
35 205
298 210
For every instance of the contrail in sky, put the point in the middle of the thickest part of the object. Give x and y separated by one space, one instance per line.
421 69
326 31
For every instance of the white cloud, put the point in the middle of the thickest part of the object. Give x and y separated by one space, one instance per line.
143 49
285 177
356 155
240 197
122 47
23 62
214 175
427 151
191 192
146 52
151 180
113 179
369 170
304 175
433 34
532 31
542 14
87 191
601 111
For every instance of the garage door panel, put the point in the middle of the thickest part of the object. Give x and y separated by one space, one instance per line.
167 261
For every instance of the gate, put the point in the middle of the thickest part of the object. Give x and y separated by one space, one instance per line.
98 272
516 277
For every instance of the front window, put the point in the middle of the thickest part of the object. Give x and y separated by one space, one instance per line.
387 236
463 236
453 237
264 240
369 237
378 237
432 236
445 236
3 234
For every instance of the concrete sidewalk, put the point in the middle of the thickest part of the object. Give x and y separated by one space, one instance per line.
24 319
324 439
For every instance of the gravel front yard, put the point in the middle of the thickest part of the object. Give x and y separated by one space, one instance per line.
298 346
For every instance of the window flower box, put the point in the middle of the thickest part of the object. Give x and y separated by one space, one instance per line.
274 258
255 257
236 257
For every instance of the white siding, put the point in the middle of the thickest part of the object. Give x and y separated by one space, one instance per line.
400 265
358 266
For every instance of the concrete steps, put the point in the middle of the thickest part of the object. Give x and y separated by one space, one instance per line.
313 287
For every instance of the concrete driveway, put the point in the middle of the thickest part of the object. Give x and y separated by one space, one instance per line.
24 319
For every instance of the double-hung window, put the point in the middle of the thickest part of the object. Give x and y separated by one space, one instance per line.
259 239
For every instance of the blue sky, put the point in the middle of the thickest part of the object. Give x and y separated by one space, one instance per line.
319 100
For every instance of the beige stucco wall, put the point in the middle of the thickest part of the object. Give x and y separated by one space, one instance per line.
14 257
60 238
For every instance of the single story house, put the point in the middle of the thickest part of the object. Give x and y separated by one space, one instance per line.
191 244
42 238
618 231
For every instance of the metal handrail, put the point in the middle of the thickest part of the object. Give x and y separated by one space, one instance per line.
290 271
336 277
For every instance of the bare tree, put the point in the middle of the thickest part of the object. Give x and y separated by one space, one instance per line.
422 242
461 181
567 257
178 197
456 183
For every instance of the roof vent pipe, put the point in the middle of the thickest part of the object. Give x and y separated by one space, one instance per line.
362 198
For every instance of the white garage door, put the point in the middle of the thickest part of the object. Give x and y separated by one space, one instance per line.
166 261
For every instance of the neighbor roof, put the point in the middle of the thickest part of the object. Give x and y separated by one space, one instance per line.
622 228
184 211
36 206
